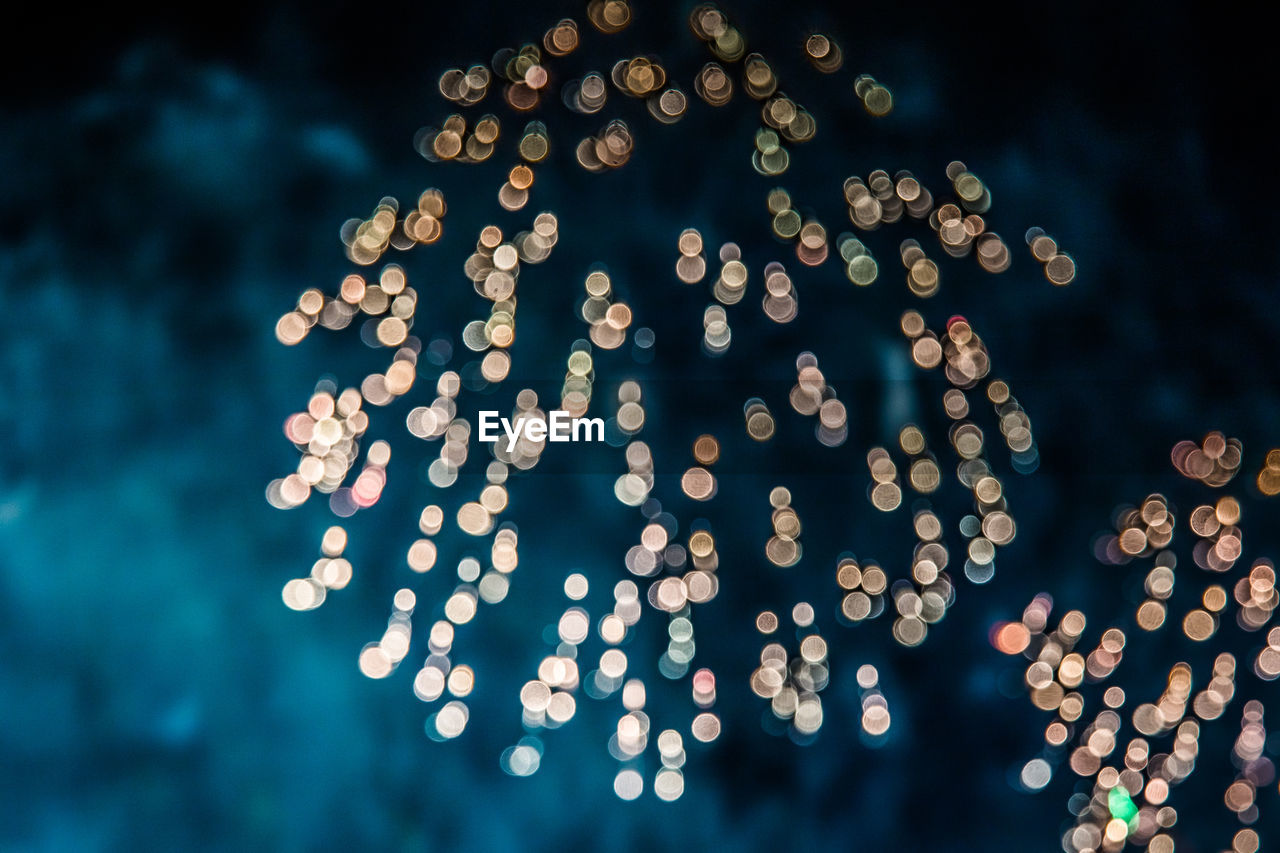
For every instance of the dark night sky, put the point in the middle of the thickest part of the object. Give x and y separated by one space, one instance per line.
170 181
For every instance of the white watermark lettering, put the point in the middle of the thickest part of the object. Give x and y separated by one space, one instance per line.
561 427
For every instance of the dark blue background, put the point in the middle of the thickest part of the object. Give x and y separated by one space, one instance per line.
169 184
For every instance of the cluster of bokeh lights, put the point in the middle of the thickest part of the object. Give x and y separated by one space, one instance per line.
671 568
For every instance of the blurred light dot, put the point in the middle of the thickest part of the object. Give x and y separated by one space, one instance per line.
628 784
1036 774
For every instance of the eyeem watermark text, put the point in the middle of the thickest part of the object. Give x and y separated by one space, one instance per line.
561 427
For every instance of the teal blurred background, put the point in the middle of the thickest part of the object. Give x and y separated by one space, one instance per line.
169 185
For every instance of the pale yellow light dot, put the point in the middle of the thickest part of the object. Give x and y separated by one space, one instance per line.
374 661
